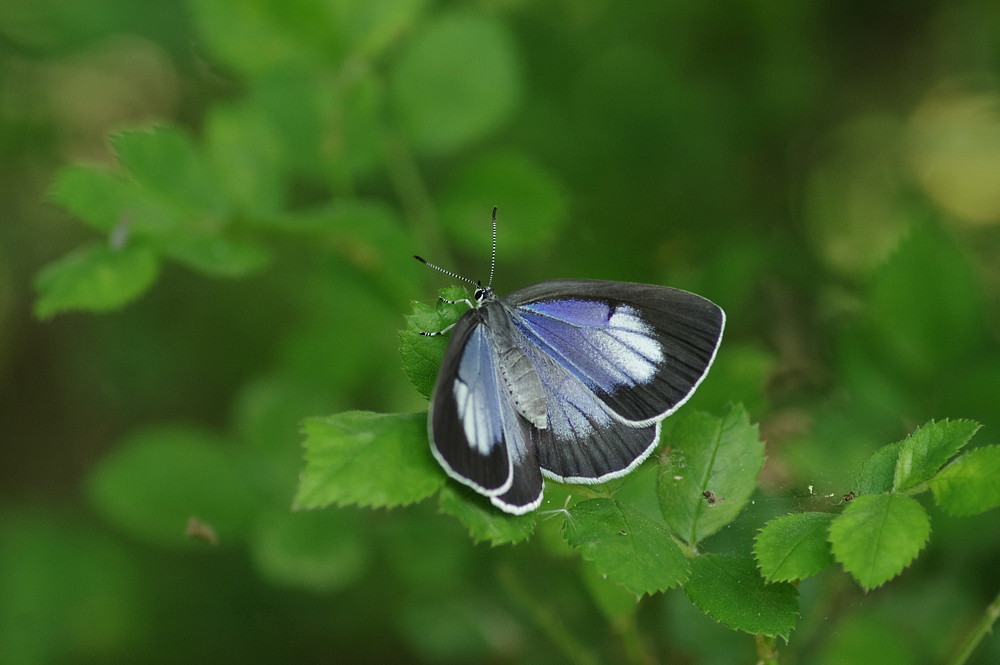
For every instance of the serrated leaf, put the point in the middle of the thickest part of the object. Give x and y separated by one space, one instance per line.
625 545
971 484
166 163
928 448
456 81
482 520
95 278
793 547
157 479
367 459
722 455
730 590
879 471
96 197
422 354
877 536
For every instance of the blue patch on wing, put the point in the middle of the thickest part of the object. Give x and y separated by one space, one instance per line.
606 347
476 434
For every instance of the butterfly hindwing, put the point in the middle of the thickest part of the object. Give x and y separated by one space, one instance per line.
583 442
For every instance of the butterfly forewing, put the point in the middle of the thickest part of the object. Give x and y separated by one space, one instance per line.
466 426
641 349
477 430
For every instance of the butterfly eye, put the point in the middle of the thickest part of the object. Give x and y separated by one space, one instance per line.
480 294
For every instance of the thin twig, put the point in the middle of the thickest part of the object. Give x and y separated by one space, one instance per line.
983 628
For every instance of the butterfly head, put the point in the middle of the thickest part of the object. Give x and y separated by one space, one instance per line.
483 294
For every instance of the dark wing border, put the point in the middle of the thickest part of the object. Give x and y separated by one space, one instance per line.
487 474
689 327
509 475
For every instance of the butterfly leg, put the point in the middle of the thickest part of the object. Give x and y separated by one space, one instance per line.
455 302
446 330
439 332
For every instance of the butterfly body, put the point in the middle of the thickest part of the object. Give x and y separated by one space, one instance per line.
569 379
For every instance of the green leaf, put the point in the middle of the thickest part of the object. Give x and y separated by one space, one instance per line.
722 455
877 536
157 479
218 256
926 333
456 82
730 590
96 197
367 459
318 551
373 26
483 521
532 204
928 448
257 38
368 235
362 125
971 484
165 162
422 354
95 278
879 471
248 156
625 545
793 547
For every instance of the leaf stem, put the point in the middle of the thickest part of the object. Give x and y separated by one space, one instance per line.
546 620
984 627
767 649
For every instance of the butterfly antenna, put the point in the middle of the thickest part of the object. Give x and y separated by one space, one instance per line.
444 270
493 253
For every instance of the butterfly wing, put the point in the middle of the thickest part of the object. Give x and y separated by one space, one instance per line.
641 349
583 441
615 359
474 430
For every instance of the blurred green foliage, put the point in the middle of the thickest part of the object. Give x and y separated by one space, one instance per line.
209 212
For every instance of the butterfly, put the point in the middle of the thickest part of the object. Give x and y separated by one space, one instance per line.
567 379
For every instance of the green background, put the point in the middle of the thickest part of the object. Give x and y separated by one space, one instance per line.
828 172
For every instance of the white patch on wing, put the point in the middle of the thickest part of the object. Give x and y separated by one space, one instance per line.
629 343
475 379
475 433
